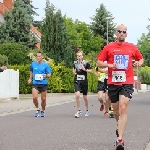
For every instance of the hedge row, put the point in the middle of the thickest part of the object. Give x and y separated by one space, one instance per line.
144 74
61 80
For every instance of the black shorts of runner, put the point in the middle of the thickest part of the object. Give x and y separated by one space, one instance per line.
40 87
100 86
115 90
105 84
81 86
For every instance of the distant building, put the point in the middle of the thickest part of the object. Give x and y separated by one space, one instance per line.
7 5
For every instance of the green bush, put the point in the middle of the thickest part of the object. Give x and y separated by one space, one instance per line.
24 87
3 60
17 53
144 74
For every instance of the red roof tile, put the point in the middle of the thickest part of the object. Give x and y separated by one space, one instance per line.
3 8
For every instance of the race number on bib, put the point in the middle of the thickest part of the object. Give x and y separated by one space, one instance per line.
118 76
121 61
38 77
80 77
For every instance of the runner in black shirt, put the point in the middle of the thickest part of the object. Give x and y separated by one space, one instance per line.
80 70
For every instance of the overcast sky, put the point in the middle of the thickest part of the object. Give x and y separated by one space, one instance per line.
133 13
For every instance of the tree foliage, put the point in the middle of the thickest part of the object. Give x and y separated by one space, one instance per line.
144 46
30 9
80 35
99 24
17 25
55 41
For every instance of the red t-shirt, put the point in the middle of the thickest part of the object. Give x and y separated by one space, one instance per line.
122 54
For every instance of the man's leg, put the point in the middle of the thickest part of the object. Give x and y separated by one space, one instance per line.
107 101
115 107
85 91
86 101
35 97
35 101
113 93
100 99
77 96
43 100
123 104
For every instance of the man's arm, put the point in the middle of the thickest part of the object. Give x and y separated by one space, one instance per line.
31 75
48 72
139 63
89 71
101 64
74 71
3 68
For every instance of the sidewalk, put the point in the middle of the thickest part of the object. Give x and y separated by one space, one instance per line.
24 103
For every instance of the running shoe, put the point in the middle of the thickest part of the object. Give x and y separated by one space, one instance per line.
42 114
120 144
77 115
37 114
102 107
87 113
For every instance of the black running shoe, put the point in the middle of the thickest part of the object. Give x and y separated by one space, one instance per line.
120 145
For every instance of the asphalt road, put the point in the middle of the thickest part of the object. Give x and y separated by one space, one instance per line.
59 130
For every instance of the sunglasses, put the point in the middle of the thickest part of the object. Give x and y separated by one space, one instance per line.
120 31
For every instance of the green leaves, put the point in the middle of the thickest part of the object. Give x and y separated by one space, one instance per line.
99 24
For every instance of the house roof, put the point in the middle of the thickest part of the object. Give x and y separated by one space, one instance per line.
3 8
37 34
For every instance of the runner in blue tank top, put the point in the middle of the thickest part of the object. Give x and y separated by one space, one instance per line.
39 72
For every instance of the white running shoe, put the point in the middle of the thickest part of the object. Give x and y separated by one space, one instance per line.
87 113
77 115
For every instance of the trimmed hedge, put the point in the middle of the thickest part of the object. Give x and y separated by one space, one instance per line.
144 74
61 81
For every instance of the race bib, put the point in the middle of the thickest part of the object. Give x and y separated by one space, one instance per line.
80 77
118 76
121 61
38 77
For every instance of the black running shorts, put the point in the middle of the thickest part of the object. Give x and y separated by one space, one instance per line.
40 87
81 86
105 84
100 86
115 90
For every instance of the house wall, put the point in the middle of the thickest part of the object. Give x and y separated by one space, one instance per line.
1 18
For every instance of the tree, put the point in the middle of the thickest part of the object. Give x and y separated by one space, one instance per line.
30 8
17 25
144 46
55 40
80 35
99 24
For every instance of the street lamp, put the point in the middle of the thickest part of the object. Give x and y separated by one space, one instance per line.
108 18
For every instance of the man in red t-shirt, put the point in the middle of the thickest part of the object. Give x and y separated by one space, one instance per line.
119 55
